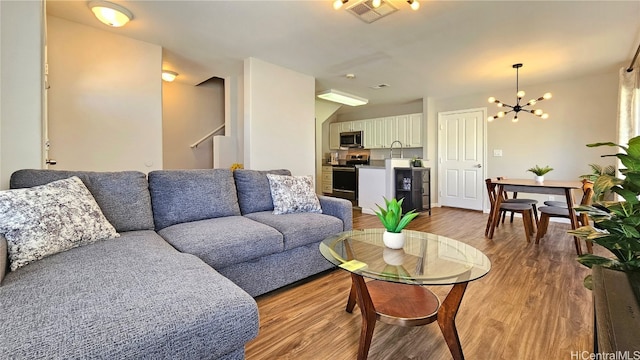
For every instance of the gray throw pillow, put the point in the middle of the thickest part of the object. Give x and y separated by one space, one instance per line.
293 194
44 220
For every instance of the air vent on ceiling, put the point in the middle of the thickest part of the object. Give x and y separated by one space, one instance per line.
380 86
365 11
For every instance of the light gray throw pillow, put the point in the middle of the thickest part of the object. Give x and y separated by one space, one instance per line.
44 220
293 194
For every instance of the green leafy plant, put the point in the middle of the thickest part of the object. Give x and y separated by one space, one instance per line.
597 171
616 224
391 215
540 171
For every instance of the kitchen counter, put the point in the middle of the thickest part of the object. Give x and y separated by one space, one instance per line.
369 167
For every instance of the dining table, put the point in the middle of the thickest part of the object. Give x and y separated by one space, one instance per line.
548 187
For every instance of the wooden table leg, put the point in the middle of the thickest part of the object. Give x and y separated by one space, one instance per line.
574 219
447 317
351 301
368 315
496 210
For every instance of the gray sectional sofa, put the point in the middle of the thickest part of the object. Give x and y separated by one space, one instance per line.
195 247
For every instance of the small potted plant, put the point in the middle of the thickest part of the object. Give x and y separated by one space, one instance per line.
539 172
393 221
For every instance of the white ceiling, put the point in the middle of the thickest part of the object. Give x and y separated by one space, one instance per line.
446 48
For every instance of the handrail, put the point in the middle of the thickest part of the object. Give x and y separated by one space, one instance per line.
195 144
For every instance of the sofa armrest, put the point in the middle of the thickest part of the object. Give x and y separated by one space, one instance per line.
340 208
4 257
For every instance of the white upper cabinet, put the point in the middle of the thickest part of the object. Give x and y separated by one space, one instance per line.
334 135
414 131
379 133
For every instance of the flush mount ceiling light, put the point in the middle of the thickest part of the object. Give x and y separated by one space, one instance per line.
517 107
110 14
342 97
168 75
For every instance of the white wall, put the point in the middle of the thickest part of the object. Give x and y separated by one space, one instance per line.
105 101
20 87
189 113
279 125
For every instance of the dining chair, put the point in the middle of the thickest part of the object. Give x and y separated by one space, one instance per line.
532 202
524 209
547 212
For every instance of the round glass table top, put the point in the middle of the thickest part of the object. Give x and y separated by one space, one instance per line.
426 259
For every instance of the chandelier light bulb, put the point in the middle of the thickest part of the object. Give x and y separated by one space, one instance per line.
515 119
547 96
492 99
490 118
338 4
520 94
501 114
499 104
538 112
533 101
545 116
415 5
376 3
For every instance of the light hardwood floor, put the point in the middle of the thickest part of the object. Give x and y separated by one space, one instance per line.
531 305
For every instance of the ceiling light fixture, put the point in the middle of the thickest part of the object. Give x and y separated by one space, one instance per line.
517 107
110 14
168 75
342 97
338 4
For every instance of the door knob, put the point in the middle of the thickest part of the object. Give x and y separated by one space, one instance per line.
478 166
50 162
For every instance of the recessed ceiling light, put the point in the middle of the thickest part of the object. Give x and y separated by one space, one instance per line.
168 75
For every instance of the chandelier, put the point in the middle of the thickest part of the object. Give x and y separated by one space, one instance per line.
337 4
517 107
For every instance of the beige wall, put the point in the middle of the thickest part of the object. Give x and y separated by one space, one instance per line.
105 103
581 111
189 113
279 125
20 87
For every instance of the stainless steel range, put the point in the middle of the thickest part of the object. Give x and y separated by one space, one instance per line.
345 177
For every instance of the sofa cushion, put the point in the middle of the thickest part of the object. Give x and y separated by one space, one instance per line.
123 196
300 228
134 297
224 241
47 219
293 194
254 191
179 196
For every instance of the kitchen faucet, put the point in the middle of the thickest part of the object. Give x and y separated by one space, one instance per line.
391 149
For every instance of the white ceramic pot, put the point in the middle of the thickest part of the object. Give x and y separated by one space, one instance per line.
539 179
393 240
393 257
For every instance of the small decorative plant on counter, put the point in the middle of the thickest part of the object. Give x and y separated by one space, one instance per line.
393 220
539 172
616 224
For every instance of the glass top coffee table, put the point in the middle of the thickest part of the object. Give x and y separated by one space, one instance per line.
394 295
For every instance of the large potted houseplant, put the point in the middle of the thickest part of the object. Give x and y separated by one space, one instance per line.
539 172
394 221
616 224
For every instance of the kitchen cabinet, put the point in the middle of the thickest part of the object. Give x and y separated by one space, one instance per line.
327 179
334 135
414 131
390 131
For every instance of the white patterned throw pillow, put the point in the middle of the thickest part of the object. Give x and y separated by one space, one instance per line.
293 194
48 219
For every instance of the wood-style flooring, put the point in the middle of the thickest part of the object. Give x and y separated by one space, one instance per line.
531 305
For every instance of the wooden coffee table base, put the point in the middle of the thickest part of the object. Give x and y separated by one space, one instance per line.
404 305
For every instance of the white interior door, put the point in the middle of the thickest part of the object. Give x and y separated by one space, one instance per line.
461 155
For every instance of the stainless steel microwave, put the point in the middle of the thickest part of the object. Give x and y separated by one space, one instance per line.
351 139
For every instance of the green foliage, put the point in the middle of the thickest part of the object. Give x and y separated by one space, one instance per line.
616 224
540 170
596 172
391 215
